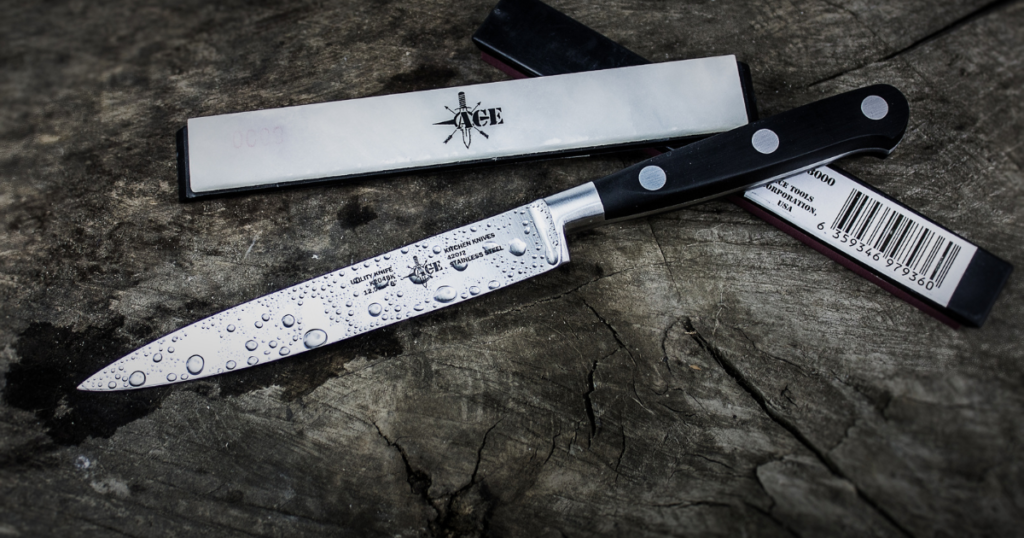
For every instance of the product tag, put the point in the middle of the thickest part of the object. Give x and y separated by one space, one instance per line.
872 229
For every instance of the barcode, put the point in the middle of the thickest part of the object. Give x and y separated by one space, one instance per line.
897 237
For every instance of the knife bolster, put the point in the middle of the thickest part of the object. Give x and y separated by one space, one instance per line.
577 208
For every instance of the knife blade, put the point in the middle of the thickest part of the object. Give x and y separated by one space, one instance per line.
502 250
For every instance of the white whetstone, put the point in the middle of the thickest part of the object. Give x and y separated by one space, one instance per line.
553 115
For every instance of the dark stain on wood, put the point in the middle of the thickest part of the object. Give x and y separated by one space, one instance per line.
54 360
423 77
355 214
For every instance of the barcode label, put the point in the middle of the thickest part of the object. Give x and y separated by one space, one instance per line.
871 228
897 237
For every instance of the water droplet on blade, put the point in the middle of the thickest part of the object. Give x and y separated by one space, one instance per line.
251 345
473 290
418 307
517 247
171 377
314 338
259 324
445 294
137 378
157 357
272 344
112 385
230 365
493 285
231 328
284 351
194 365
460 265
253 360
170 349
288 320
375 309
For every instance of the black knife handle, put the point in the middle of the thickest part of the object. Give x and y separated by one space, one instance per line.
868 120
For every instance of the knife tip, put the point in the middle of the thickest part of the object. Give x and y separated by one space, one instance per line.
92 384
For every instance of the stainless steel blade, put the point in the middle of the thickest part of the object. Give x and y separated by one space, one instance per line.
433 273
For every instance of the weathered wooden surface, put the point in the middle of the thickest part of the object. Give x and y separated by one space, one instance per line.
695 373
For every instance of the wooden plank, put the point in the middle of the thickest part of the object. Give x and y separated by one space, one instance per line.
694 373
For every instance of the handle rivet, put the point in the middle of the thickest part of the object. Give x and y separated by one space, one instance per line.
765 141
652 178
874 107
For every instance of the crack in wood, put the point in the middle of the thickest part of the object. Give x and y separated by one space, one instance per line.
551 452
692 504
983 11
419 481
480 453
712 460
588 403
768 513
448 520
786 424
799 369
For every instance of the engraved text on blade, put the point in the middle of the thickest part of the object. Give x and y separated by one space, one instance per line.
426 275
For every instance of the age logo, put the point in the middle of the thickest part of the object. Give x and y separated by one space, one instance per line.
467 120
421 272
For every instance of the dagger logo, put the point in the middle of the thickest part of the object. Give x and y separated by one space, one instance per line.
421 272
466 120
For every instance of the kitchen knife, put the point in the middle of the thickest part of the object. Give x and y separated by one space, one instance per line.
510 247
